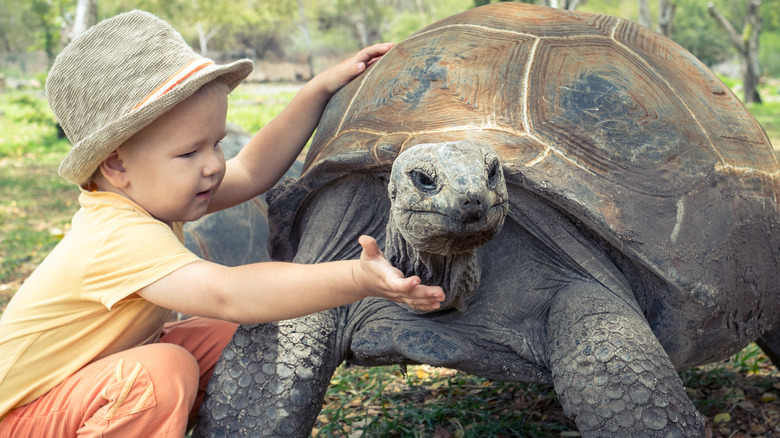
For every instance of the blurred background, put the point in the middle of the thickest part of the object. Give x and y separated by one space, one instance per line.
293 39
290 41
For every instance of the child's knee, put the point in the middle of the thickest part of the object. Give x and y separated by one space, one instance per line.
171 366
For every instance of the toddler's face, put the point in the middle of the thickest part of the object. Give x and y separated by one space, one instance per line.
175 165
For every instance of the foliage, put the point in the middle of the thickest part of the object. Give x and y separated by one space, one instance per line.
406 22
251 112
769 53
425 401
35 209
695 30
273 29
35 203
27 126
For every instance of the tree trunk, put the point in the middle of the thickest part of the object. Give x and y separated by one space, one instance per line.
304 26
86 15
666 17
562 4
204 37
746 45
644 13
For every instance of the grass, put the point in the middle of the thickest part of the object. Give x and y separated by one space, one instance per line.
252 109
35 203
421 401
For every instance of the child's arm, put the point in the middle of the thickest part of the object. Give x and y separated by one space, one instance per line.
263 161
274 291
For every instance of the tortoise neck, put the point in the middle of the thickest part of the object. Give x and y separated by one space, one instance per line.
458 274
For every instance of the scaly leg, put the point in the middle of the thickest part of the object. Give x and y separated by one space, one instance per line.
271 379
610 372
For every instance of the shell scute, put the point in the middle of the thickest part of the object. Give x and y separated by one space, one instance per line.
607 113
466 83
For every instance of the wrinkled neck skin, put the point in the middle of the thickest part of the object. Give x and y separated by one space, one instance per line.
458 274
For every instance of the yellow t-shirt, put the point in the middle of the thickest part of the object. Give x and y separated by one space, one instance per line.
80 304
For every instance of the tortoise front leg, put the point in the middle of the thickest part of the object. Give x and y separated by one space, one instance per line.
612 376
271 379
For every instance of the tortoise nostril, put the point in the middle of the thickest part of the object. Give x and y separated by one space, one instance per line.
471 210
471 203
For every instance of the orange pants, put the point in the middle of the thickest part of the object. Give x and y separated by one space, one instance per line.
152 390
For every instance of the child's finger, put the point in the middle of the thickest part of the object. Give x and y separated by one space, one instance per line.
370 247
424 292
374 51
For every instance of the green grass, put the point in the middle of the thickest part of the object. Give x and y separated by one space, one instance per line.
35 205
252 112
418 401
28 127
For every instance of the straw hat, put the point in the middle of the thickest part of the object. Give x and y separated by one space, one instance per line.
118 77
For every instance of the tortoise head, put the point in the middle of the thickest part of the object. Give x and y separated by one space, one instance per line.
447 198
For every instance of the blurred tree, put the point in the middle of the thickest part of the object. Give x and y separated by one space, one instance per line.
562 4
44 17
86 15
298 29
746 44
478 3
666 9
409 16
644 13
11 40
303 25
695 30
368 18
206 17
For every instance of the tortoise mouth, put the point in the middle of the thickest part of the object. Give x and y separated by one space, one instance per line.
443 233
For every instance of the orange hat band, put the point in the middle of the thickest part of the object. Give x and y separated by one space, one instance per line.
181 75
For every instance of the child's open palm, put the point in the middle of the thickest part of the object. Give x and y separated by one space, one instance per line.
375 274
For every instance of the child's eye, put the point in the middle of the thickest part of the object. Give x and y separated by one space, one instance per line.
218 144
188 154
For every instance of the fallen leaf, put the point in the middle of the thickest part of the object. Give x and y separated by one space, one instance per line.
723 417
757 429
441 433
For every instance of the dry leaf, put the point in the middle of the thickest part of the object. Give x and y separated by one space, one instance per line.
723 417
441 433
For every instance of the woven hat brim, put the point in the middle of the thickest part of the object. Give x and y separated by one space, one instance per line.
85 156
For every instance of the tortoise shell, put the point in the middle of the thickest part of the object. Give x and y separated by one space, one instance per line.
617 126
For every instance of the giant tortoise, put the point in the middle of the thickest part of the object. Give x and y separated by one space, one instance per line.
630 231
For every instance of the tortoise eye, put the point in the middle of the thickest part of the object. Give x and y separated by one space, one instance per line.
493 174
422 180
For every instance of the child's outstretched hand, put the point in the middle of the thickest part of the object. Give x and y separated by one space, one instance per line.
339 75
374 274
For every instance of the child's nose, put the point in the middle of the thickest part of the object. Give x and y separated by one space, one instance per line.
215 163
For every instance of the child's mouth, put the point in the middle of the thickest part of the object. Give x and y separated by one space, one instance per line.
206 194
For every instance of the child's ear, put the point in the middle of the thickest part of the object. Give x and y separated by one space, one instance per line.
113 170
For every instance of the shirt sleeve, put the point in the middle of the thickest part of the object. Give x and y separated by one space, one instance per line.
132 256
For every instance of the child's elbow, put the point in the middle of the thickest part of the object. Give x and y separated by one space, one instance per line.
229 300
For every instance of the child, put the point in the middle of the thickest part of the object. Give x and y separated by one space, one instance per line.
84 344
